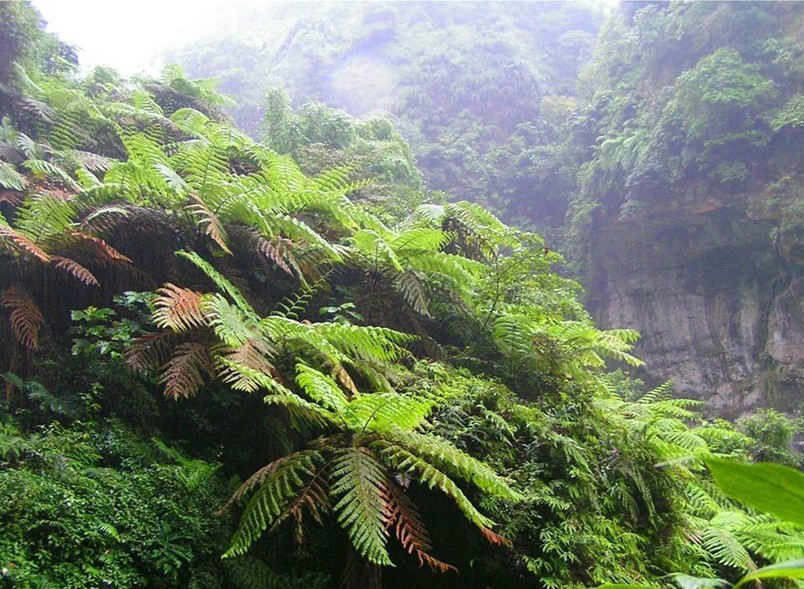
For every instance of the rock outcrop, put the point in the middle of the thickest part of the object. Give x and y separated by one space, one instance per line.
719 303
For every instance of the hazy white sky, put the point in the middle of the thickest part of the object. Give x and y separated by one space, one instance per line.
129 35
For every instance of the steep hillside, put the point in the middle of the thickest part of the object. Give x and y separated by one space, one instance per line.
688 215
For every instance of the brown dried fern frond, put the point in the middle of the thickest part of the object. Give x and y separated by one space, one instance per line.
406 524
11 197
178 308
184 373
25 317
278 252
152 350
20 244
98 247
213 226
75 270
253 355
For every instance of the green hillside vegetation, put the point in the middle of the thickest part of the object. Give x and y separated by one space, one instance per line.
234 363
717 119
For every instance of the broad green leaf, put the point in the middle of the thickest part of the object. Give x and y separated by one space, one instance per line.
690 582
789 569
624 586
770 488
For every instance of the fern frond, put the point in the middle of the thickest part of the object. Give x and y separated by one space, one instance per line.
219 279
11 178
719 540
9 196
178 308
184 373
405 461
21 244
92 161
231 325
410 530
370 343
278 251
151 351
294 305
97 247
321 388
206 218
412 289
24 315
279 482
74 269
247 367
382 412
446 456
304 415
660 393
361 483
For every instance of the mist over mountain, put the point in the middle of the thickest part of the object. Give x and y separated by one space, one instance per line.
476 88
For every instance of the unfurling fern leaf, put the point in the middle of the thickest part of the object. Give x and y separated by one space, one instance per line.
25 317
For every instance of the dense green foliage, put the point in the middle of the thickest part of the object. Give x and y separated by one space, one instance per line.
389 391
715 119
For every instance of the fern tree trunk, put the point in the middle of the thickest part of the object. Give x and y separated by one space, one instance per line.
358 573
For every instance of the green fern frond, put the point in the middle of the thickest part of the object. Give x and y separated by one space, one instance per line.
360 482
446 456
11 178
405 461
220 281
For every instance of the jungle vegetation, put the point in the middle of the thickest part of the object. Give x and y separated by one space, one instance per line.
232 362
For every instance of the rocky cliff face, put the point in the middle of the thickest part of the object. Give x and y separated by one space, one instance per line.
719 302
690 210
